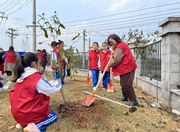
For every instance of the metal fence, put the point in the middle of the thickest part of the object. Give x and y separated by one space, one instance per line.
151 62
79 63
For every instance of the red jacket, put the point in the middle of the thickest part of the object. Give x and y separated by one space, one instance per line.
104 58
127 64
28 106
94 57
10 57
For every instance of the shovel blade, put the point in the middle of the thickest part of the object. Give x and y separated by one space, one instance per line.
112 87
88 80
108 87
88 101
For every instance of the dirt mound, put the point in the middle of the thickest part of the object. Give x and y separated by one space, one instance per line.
82 115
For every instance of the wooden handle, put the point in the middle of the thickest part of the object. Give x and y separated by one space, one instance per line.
102 74
111 73
89 55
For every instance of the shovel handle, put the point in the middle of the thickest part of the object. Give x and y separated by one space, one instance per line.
102 75
89 55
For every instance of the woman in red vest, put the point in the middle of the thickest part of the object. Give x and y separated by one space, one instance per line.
103 60
93 63
30 96
123 65
10 61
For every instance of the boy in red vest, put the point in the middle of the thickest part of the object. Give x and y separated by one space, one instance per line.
103 60
93 63
123 65
30 96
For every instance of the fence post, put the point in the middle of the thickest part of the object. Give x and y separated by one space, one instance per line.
170 64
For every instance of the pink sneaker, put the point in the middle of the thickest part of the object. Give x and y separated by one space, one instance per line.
31 128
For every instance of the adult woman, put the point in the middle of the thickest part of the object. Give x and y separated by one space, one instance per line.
123 65
10 61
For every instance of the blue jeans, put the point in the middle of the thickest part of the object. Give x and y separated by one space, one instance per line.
95 77
51 118
106 79
57 75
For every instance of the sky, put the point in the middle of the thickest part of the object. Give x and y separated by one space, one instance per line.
95 16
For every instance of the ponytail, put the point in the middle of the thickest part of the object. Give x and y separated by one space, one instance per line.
22 62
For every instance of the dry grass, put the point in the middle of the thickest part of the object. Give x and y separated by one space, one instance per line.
116 118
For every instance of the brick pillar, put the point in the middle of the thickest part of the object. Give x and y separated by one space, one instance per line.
170 63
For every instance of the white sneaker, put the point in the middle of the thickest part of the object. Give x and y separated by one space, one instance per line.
31 128
18 126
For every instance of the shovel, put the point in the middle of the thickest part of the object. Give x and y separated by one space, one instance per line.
88 79
110 86
89 100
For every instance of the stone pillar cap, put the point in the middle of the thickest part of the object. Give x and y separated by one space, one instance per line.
169 19
169 30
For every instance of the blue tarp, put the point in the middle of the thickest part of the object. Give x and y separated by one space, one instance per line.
20 53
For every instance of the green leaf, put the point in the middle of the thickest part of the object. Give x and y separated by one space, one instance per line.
40 42
58 32
61 25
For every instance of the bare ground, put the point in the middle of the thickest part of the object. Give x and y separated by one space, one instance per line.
102 116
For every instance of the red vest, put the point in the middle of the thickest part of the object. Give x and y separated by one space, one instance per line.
41 55
10 57
94 57
27 106
62 62
128 63
104 58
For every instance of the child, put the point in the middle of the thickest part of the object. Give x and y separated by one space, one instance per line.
30 96
10 61
55 58
103 60
45 60
93 63
2 63
63 62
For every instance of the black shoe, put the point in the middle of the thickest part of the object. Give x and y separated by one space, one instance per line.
134 103
124 99
1 78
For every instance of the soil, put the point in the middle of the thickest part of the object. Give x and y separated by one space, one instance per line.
82 114
102 116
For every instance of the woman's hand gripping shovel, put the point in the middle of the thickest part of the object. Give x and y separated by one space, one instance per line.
89 100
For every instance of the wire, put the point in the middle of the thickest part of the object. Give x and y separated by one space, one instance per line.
128 17
123 13
26 3
80 11
95 8
4 3
132 20
3 27
8 5
10 8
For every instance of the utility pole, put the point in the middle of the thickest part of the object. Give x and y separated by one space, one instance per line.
12 34
2 16
84 43
34 26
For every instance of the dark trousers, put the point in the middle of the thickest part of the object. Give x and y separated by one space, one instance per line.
126 81
68 72
9 73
